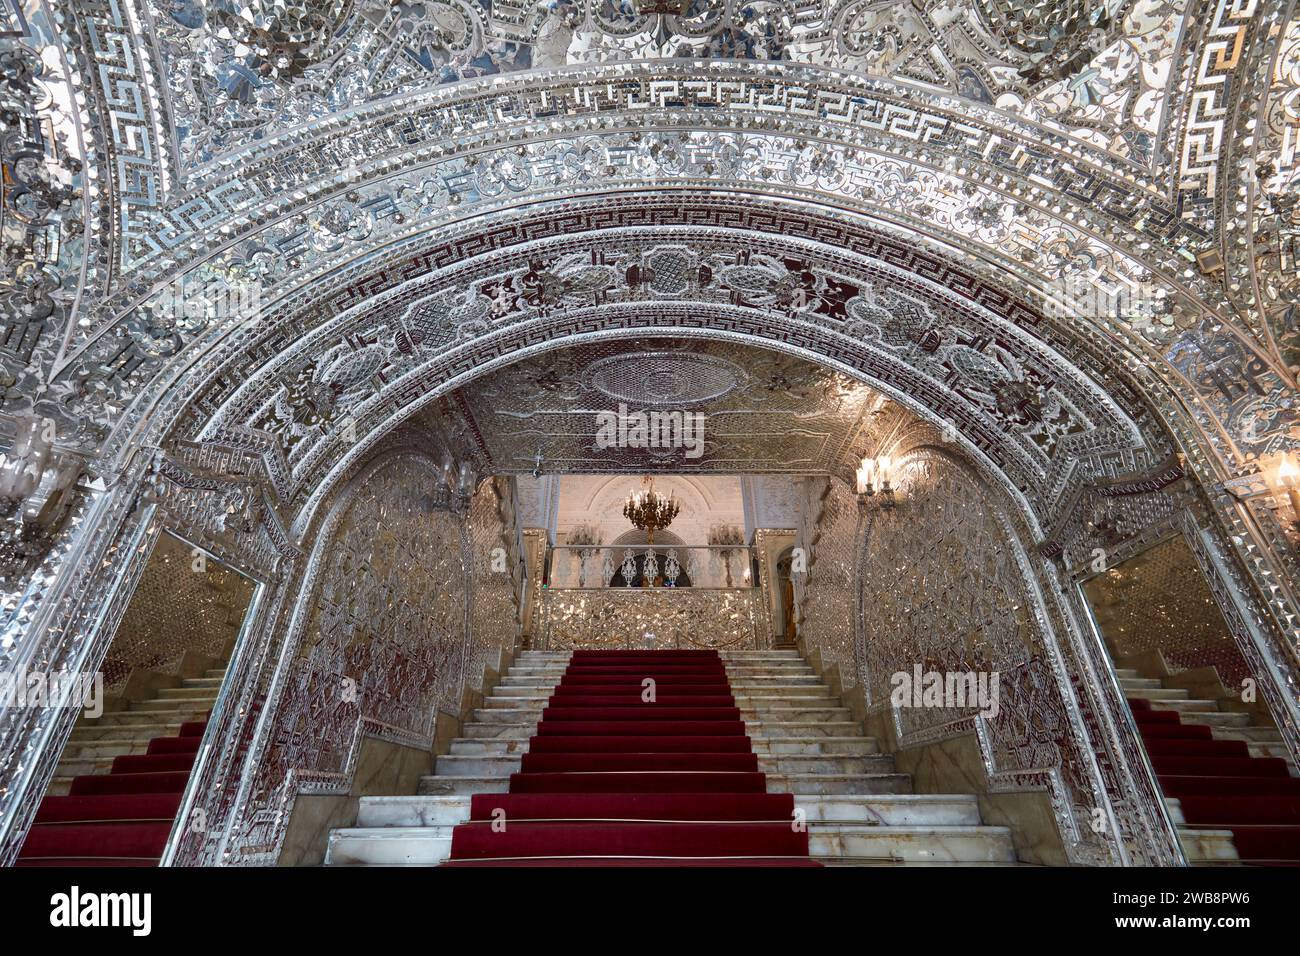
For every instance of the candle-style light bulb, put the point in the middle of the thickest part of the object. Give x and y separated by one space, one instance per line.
1288 476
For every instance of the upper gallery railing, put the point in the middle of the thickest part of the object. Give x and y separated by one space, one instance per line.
651 596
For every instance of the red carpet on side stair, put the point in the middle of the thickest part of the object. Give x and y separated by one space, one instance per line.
1222 787
610 779
120 818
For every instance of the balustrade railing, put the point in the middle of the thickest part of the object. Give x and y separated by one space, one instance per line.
646 566
651 596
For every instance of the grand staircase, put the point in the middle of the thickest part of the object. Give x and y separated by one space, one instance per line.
743 758
1229 784
120 780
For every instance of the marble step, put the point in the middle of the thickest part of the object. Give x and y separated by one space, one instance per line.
431 845
523 727
462 785
854 746
1207 846
1279 750
794 714
551 678
867 809
499 731
755 705
766 714
794 729
905 844
507 690
775 680
217 672
1189 706
844 746
196 706
771 729
1175 809
85 733
891 810
476 765
389 846
140 718
770 655
531 695
473 765
1123 672
834 764
1213 718
188 694
801 675
534 677
212 683
1140 683
1158 694
798 784
827 784
416 811
488 746
733 674
79 750
1263 735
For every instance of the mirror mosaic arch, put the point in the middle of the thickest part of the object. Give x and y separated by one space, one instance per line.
147 338
1248 31
160 191
299 316
995 364
157 336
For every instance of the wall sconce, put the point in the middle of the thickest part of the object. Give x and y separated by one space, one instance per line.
467 480
1277 486
1286 479
873 481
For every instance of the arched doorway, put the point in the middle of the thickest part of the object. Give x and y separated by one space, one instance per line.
787 634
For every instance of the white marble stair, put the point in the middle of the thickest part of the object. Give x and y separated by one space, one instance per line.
95 742
858 809
859 813
496 737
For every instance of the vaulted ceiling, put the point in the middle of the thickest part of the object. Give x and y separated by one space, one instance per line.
764 412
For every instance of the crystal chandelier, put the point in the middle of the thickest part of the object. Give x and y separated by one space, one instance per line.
650 512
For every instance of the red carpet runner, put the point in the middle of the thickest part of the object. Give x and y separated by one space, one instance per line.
121 818
613 780
1221 786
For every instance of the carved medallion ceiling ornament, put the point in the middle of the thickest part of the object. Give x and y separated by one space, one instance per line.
763 411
